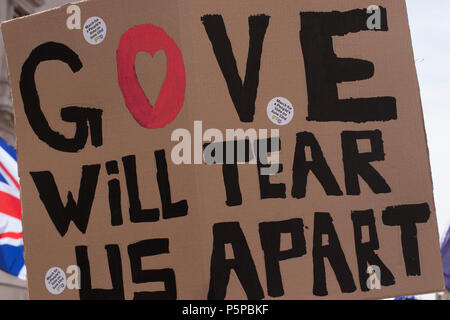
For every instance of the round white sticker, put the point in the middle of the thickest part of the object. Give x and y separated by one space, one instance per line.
94 30
280 111
55 280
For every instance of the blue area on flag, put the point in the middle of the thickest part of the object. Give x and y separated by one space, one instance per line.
11 259
3 179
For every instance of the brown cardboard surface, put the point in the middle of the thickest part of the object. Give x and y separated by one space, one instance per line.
405 168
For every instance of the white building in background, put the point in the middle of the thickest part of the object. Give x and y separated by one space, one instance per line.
11 287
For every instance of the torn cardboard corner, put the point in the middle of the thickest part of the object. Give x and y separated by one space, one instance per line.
115 120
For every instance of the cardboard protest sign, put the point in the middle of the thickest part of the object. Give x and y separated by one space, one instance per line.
132 186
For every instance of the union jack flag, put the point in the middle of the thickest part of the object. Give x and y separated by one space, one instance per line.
11 241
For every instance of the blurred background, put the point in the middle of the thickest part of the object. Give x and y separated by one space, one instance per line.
430 29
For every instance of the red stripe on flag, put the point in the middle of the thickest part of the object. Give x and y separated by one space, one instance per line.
11 235
10 205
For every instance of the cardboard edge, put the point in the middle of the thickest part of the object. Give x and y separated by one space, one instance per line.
33 15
